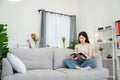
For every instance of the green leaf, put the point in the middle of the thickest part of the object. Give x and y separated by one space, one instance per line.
73 43
3 40
4 31
1 28
3 37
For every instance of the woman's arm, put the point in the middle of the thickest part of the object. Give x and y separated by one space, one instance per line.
89 51
76 48
76 51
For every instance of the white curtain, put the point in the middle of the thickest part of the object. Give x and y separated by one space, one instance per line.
57 26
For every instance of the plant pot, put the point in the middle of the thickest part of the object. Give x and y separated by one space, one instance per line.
109 57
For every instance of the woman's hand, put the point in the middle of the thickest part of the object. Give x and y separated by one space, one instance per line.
76 58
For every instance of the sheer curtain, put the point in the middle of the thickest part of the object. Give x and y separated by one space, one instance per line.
57 26
53 26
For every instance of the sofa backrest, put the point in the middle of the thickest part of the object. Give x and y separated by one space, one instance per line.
59 55
47 58
35 58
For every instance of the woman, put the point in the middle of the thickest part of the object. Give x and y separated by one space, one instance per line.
84 47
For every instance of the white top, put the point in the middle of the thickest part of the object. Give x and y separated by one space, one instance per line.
83 48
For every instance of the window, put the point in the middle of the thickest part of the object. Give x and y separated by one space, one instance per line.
53 27
56 27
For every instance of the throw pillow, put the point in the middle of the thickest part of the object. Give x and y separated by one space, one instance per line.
16 63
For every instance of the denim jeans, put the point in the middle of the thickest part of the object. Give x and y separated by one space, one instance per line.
80 62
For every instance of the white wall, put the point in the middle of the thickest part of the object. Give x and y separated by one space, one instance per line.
96 13
23 17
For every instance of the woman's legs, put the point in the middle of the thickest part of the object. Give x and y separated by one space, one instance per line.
82 63
71 64
88 62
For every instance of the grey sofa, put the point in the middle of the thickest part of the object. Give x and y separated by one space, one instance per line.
47 64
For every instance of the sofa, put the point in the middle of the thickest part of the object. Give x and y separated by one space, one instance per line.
48 64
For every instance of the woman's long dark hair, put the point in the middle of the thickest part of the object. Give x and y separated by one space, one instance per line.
85 35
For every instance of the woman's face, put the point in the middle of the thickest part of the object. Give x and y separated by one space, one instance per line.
82 39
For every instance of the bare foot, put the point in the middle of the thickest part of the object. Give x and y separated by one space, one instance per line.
77 67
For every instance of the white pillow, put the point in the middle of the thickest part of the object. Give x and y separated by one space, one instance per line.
16 63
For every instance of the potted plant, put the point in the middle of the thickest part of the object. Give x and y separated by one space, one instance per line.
109 56
63 41
101 49
110 39
72 44
34 38
99 40
3 41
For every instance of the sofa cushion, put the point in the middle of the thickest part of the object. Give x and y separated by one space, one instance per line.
40 74
59 55
16 63
35 58
93 74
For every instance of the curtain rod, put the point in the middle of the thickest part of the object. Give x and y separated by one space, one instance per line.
55 12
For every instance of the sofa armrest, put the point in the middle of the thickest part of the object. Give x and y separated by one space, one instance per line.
6 68
98 61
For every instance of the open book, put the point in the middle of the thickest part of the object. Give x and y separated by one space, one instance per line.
79 55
